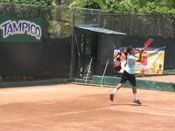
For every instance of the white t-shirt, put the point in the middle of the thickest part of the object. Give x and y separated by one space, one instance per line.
130 66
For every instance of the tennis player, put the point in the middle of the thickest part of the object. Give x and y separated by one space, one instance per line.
128 73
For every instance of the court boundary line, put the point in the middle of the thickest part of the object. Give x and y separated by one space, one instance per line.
97 109
139 112
115 108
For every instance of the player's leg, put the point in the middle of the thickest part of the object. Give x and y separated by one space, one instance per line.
115 90
132 80
136 100
117 87
122 82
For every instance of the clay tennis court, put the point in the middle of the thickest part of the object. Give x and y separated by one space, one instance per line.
71 107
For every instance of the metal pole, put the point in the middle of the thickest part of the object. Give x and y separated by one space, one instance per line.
104 72
72 47
89 68
79 61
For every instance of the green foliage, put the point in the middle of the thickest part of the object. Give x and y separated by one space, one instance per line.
95 4
30 2
152 7
135 6
170 3
169 71
68 3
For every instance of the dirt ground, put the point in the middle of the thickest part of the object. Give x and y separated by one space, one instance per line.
165 78
70 107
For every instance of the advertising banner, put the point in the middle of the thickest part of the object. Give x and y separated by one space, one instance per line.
152 61
20 29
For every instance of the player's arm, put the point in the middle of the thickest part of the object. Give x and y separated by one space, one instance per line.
140 54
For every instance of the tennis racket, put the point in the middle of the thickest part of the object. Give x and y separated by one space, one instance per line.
148 43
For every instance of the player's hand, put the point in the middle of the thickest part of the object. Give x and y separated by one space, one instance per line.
142 50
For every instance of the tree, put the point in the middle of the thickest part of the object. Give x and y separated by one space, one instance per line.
68 3
135 6
30 2
170 3
95 4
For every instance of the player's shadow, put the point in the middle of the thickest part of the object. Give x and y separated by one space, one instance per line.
128 105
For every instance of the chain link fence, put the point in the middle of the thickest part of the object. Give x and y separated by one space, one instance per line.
142 25
138 27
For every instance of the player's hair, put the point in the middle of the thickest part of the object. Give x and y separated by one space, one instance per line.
129 49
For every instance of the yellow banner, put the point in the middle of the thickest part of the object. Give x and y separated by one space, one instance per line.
152 62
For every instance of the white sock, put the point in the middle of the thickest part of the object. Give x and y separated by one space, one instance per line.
135 96
114 91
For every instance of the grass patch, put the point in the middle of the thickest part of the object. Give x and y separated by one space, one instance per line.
169 70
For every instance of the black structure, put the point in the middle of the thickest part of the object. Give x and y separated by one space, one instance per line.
97 43
47 59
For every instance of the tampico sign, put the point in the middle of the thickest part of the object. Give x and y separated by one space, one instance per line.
14 29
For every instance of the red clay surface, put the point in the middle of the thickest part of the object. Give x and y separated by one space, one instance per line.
71 107
167 78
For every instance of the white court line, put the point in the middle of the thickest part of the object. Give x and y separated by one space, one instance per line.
71 113
162 108
99 109
141 112
117 109
148 106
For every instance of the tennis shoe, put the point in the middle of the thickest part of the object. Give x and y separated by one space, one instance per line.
112 97
137 102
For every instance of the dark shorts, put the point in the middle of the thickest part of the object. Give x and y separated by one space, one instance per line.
130 77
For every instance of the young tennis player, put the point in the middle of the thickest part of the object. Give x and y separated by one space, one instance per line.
128 73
